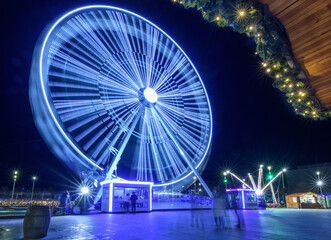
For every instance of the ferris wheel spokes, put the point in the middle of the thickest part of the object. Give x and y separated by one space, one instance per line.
117 158
107 77
180 150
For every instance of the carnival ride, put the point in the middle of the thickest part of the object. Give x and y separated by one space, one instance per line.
115 97
259 188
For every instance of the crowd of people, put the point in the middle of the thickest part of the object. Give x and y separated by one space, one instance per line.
130 200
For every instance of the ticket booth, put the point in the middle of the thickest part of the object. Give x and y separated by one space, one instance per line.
113 192
245 198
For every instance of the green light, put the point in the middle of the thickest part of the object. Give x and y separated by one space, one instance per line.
270 176
225 180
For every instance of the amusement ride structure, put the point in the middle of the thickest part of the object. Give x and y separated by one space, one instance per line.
115 97
259 188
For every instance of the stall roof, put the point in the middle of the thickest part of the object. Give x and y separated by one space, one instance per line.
299 194
308 24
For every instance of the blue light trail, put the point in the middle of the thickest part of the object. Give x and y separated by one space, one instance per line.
110 78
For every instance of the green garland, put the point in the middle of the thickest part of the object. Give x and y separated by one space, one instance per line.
272 46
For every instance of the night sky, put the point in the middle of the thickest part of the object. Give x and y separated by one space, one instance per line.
253 123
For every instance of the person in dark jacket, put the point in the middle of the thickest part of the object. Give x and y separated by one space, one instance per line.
133 200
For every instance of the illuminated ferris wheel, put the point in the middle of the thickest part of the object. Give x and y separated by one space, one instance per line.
111 91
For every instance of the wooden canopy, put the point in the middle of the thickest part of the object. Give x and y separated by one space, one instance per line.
308 24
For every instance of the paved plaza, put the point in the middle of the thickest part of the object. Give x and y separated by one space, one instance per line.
182 225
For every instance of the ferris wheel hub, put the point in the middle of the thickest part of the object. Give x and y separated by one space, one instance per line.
147 96
150 95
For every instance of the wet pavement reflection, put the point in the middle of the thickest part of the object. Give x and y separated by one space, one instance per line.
182 225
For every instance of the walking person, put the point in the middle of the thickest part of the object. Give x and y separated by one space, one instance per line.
126 202
219 208
133 200
240 221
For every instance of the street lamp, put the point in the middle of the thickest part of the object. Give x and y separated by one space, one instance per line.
34 178
320 184
84 190
15 178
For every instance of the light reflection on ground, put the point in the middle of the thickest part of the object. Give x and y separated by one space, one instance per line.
182 225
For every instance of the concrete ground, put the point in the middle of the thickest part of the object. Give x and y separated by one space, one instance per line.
183 225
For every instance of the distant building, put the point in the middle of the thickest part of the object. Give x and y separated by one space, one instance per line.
305 178
305 200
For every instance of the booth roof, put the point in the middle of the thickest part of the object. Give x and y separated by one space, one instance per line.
300 194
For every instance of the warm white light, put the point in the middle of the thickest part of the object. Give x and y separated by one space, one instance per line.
269 168
241 13
319 183
34 178
318 173
150 95
15 172
84 190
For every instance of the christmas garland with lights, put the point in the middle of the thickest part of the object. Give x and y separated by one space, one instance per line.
272 46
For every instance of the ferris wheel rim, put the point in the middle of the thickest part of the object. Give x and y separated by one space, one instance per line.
55 120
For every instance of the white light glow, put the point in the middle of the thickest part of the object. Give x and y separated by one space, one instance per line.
85 190
258 192
319 183
150 95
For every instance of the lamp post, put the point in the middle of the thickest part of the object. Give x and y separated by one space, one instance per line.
15 178
34 178
85 191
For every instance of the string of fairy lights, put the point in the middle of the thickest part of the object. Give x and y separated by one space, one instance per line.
246 17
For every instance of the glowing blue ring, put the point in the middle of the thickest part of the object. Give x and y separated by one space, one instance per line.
57 123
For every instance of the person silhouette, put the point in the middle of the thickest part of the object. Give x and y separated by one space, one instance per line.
126 202
133 200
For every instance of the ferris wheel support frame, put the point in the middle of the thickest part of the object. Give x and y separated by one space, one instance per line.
203 183
120 151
